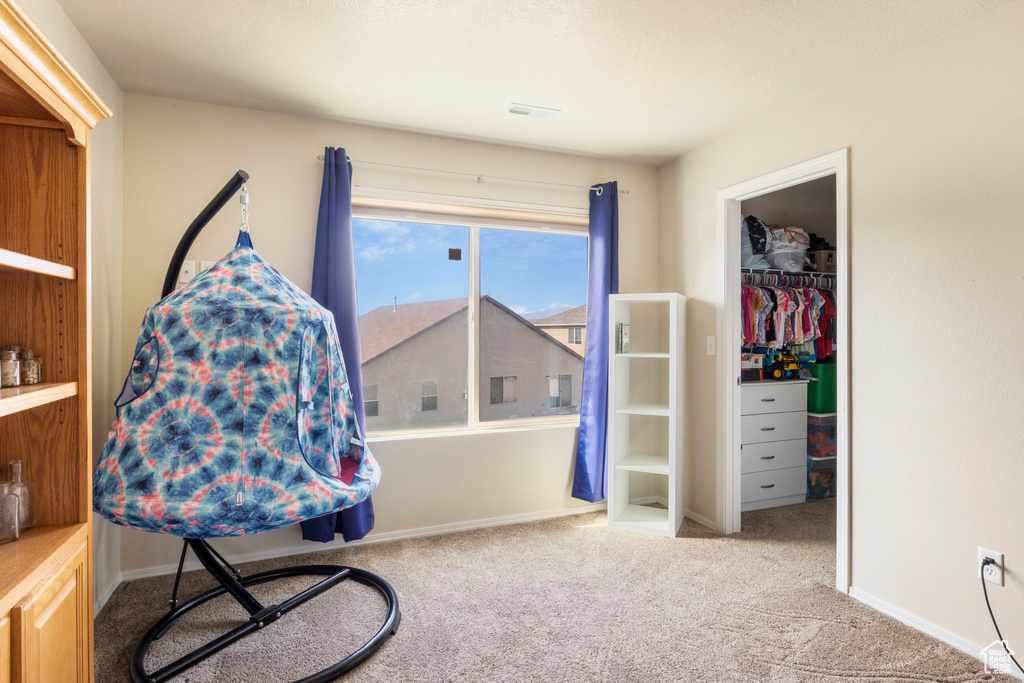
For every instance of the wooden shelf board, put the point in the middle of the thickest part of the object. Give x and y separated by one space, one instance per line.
27 561
642 355
16 399
643 409
654 464
644 517
13 261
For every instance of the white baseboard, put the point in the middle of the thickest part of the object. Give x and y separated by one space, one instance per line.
700 519
919 624
307 547
103 597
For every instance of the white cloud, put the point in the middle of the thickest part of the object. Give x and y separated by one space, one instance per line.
519 309
555 304
415 296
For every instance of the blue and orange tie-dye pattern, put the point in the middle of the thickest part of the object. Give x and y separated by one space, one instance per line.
236 416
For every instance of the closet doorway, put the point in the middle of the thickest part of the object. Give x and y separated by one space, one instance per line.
771 410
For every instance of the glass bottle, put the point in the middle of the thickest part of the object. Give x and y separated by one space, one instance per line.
26 496
30 369
10 369
9 529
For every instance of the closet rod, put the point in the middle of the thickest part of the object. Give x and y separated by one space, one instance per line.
479 178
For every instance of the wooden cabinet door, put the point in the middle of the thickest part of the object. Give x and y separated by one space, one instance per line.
51 627
5 649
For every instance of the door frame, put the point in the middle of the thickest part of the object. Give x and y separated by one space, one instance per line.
728 330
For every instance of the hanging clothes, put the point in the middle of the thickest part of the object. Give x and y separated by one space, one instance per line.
777 316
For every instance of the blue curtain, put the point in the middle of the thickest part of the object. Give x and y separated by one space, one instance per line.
334 288
590 479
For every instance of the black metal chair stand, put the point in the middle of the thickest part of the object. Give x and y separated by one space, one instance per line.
259 616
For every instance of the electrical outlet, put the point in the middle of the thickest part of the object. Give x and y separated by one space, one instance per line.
205 265
188 271
993 572
711 346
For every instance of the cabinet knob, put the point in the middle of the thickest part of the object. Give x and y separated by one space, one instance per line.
767 400
767 486
767 457
767 429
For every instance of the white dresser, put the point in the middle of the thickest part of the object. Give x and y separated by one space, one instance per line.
773 431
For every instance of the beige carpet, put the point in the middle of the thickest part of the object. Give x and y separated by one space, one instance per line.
563 600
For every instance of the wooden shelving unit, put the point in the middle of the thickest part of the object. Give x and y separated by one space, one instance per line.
645 429
46 115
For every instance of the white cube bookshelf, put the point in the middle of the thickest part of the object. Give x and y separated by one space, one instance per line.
645 421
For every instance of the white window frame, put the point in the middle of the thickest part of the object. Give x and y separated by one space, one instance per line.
475 214
372 400
570 335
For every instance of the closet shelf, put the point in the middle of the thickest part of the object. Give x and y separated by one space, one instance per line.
16 399
643 409
12 261
654 464
644 517
775 271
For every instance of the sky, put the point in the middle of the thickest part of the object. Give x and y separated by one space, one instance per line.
526 271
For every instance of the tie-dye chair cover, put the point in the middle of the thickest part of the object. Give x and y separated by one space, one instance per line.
236 416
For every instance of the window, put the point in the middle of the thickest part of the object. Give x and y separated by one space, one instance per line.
560 391
429 400
370 403
503 390
429 365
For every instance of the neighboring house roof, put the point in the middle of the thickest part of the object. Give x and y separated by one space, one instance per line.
387 327
384 328
571 317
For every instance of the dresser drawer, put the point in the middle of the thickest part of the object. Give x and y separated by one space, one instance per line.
756 486
774 455
773 427
772 397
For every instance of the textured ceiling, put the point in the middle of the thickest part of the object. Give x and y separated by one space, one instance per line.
639 79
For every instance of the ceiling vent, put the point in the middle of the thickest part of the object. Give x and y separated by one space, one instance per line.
530 111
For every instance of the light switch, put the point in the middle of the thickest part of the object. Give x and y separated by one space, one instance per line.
188 271
711 346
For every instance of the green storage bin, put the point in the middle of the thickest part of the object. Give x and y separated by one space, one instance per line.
821 395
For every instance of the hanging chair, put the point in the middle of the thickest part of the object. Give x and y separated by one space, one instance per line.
236 418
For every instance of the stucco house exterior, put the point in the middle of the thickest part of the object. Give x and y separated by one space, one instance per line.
568 327
415 368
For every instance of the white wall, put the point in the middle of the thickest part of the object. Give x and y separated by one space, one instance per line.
178 154
105 213
936 142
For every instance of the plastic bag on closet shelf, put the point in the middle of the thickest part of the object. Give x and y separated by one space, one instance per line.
755 239
788 249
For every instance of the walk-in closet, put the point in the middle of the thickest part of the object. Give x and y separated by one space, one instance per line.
788 305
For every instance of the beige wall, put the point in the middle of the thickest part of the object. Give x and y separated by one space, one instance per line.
105 215
936 143
178 154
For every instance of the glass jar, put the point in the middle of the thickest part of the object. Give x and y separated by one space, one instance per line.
10 369
26 496
29 367
9 529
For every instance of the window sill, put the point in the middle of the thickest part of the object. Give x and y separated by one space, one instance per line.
496 428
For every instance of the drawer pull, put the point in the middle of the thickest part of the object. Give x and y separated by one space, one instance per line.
767 400
767 457
767 429
767 486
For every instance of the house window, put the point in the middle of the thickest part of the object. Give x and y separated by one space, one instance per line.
503 390
560 391
575 335
429 399
422 354
370 402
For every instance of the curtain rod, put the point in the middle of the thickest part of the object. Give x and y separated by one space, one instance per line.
479 178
